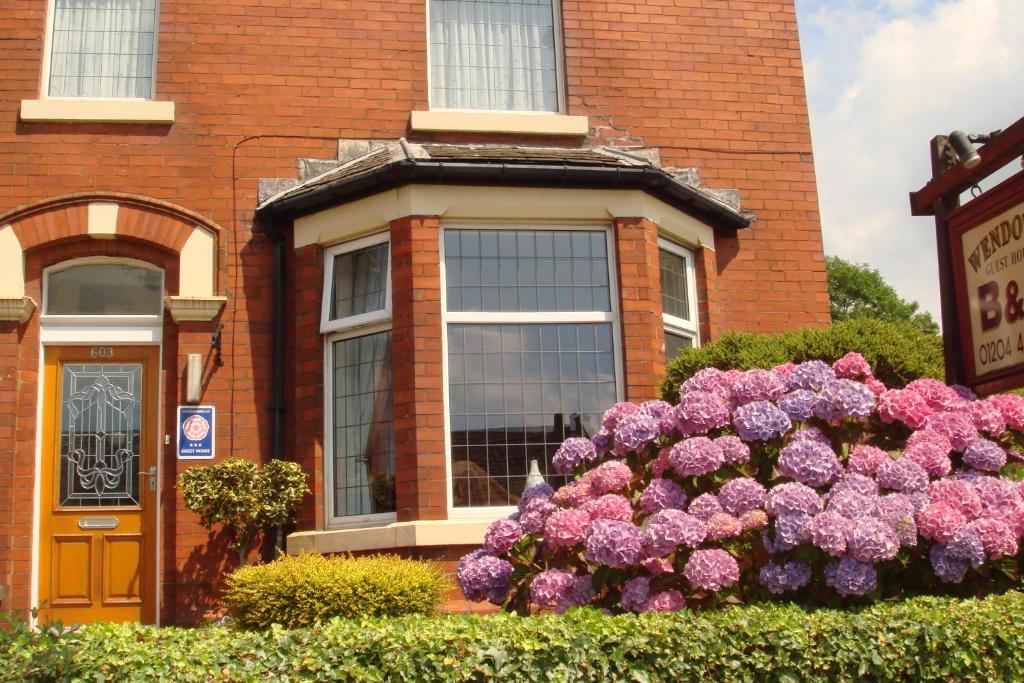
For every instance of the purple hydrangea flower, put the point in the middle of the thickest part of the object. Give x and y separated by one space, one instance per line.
786 576
998 496
696 456
662 494
666 530
608 477
809 462
722 526
711 380
947 568
535 513
573 452
739 495
535 491
940 522
664 601
711 570
967 545
582 592
551 587
810 434
982 454
609 506
566 527
635 431
851 577
903 475
757 385
501 536
866 460
873 541
602 441
853 505
799 404
790 531
635 593
699 412
735 451
705 505
812 375
760 421
843 398
858 483
614 543
661 411
830 531
792 499
482 576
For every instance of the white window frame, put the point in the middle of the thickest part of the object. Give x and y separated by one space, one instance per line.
155 320
44 89
673 324
514 318
340 330
326 323
560 99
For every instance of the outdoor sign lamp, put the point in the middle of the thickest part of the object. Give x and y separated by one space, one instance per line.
960 147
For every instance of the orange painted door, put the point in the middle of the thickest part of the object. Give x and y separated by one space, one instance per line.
97 542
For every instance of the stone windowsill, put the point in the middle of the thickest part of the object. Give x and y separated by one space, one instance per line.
82 110
525 123
395 535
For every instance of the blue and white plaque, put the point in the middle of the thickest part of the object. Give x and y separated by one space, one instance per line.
195 432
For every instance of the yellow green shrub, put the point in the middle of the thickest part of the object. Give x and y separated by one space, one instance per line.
302 590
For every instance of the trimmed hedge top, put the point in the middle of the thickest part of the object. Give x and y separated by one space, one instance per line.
898 352
924 639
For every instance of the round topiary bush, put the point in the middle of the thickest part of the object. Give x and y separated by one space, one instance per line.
898 352
302 590
811 480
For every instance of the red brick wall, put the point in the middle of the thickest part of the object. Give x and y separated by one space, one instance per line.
643 336
716 85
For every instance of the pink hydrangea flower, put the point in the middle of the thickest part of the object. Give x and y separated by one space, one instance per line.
930 437
938 395
573 494
876 386
958 427
735 451
609 506
958 494
665 531
987 417
664 601
501 536
705 505
657 565
710 380
696 456
723 525
740 495
997 537
661 464
830 531
1011 406
940 522
852 366
566 527
608 477
872 541
866 459
711 570
662 494
699 412
784 370
755 520
757 385
931 457
551 586
903 405
613 415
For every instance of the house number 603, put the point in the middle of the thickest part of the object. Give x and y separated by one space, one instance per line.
102 352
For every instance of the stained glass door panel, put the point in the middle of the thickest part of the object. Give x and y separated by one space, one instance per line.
97 523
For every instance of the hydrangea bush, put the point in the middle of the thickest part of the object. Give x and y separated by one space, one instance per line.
814 482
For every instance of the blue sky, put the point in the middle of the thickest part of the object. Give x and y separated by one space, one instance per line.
883 78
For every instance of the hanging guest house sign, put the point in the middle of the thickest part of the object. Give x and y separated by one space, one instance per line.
988 256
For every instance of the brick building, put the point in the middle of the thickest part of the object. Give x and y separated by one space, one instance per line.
411 246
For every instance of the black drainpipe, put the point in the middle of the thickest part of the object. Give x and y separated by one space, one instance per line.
277 348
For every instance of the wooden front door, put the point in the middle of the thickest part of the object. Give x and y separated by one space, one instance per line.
97 536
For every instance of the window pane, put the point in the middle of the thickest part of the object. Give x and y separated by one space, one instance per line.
543 387
493 54
527 270
676 344
104 289
364 438
102 48
360 282
674 298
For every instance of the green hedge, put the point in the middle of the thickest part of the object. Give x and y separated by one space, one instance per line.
923 639
898 352
307 589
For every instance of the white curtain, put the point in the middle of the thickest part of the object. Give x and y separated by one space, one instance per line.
493 54
102 48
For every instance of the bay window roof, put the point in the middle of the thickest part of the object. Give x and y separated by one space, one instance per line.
399 163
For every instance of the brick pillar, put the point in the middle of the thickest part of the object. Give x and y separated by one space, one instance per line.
420 474
643 337
305 413
708 305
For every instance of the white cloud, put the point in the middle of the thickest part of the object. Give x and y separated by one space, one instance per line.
884 79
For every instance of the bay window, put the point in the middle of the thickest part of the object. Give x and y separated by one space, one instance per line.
532 352
360 443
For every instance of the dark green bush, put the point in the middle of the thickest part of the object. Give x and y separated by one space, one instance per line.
307 589
899 352
924 639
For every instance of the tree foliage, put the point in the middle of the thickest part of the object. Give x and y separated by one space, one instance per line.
858 291
243 496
